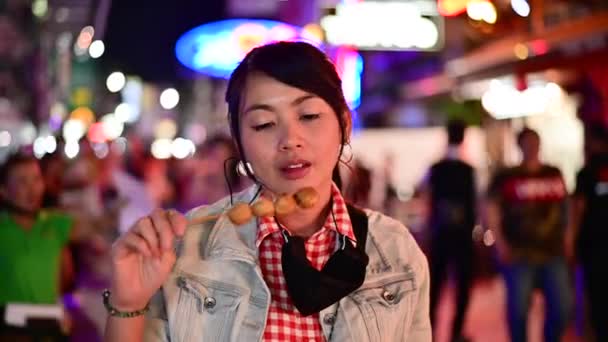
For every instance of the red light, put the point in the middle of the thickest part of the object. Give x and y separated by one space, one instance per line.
450 8
96 133
540 47
521 81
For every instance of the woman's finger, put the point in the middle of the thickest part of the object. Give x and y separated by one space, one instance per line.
137 244
145 229
162 226
178 222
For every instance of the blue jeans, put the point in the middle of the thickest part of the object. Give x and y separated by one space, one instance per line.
552 279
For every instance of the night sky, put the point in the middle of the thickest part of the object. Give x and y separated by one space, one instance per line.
141 35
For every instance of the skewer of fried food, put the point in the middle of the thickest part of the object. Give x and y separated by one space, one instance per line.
242 212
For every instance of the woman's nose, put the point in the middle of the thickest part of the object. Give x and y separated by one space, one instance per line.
290 139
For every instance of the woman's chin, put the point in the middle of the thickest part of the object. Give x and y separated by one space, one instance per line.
289 186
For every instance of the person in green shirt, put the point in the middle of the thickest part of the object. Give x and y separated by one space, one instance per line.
32 240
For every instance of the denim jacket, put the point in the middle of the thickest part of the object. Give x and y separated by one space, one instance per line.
216 291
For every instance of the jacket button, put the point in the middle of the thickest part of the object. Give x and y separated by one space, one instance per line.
388 296
329 319
181 282
209 302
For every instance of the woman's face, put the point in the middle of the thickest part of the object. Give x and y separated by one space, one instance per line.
290 137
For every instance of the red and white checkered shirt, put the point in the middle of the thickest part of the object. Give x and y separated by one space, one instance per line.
284 322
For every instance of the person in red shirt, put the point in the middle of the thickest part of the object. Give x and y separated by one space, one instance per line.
331 272
527 211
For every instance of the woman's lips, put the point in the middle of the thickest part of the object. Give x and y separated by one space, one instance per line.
295 169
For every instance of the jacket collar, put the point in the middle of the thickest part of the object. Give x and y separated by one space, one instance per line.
224 239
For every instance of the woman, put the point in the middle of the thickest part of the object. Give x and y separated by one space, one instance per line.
261 280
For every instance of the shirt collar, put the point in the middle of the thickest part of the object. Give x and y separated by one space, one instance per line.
342 223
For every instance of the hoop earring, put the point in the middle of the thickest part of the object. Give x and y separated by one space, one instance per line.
243 167
347 153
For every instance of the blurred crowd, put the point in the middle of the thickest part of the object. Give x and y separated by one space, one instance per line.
91 200
67 212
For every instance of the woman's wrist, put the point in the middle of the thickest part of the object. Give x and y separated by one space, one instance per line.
126 301
123 310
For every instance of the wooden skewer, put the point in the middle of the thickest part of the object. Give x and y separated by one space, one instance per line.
239 214
203 219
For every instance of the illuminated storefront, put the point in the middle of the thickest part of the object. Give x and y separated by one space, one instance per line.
390 25
531 77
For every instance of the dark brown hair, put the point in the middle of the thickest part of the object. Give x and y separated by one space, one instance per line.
456 130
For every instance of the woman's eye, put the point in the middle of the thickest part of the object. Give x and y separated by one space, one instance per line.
309 117
262 126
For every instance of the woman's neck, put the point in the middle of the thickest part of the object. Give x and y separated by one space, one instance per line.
306 222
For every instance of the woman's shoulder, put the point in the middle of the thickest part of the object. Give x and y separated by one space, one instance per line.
381 224
392 237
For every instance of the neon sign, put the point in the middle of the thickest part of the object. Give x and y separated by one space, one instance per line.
216 48
349 65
